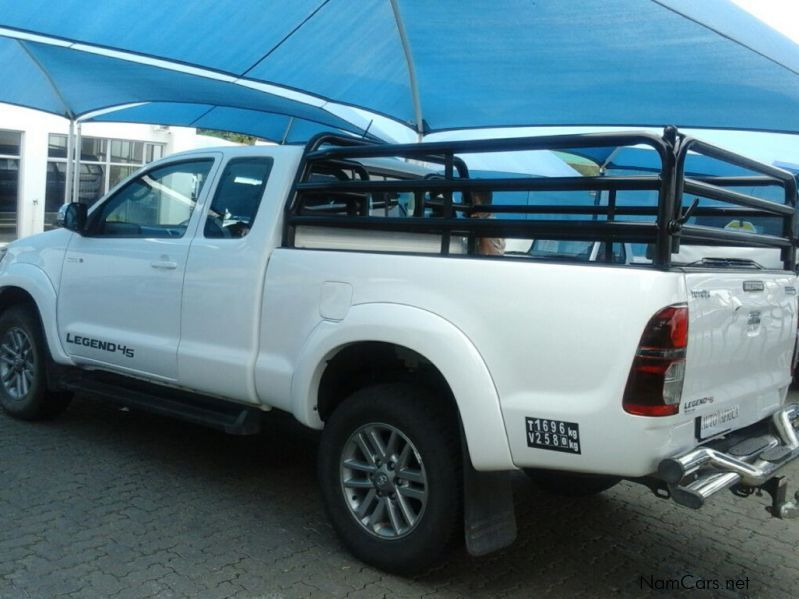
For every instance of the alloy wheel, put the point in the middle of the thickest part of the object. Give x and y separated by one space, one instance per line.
16 363
383 480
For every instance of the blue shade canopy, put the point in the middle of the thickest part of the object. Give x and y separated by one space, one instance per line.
271 126
72 83
647 160
643 159
453 65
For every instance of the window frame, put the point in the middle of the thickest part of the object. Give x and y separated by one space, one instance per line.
18 160
97 209
218 188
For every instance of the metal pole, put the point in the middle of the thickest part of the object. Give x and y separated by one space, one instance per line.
666 198
76 170
68 173
288 129
414 84
366 131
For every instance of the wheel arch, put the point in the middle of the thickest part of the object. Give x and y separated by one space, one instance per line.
412 341
28 284
371 362
13 296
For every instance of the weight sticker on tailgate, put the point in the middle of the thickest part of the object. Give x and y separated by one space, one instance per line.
555 435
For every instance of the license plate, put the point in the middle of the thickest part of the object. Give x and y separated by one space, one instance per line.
554 435
717 422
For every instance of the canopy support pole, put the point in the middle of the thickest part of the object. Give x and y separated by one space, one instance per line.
68 173
288 129
406 48
366 131
76 169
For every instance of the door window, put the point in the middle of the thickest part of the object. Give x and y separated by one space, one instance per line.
158 203
237 198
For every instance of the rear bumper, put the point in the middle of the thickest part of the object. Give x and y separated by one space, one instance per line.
746 460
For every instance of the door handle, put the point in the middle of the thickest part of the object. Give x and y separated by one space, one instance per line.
164 264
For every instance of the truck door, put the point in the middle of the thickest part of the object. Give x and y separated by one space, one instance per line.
119 302
224 280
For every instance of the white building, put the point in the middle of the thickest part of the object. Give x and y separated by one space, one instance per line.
33 162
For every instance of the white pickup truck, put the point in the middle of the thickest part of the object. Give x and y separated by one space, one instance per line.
342 283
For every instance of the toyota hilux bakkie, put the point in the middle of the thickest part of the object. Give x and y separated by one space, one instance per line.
342 282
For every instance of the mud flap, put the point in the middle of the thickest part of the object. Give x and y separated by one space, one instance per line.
489 516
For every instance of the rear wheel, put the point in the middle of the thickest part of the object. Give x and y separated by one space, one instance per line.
390 473
571 484
23 365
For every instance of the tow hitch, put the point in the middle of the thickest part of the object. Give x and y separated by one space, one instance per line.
777 488
747 465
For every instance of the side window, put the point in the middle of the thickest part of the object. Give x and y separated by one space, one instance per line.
237 198
158 203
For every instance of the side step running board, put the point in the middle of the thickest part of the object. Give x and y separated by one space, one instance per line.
229 417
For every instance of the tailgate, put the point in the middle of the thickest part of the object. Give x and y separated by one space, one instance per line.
741 336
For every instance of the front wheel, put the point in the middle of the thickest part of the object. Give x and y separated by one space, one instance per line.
390 474
23 364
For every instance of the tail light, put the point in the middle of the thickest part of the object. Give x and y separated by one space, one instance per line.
654 387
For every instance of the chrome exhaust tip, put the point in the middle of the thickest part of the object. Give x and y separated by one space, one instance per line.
751 464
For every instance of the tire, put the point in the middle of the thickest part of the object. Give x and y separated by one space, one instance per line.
410 499
571 484
23 368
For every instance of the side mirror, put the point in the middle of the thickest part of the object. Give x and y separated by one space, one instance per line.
73 217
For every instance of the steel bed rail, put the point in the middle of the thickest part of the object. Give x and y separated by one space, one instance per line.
669 228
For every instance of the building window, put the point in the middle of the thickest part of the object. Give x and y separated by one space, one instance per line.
9 184
104 163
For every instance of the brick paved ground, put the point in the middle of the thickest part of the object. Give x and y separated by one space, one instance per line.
105 503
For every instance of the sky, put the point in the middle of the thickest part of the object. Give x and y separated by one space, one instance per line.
782 15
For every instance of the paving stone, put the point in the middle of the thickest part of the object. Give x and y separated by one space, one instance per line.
103 503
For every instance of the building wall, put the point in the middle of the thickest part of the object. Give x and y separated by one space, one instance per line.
36 128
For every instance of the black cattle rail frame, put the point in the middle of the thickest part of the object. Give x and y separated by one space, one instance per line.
329 153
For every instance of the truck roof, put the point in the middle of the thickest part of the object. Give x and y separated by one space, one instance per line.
258 150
